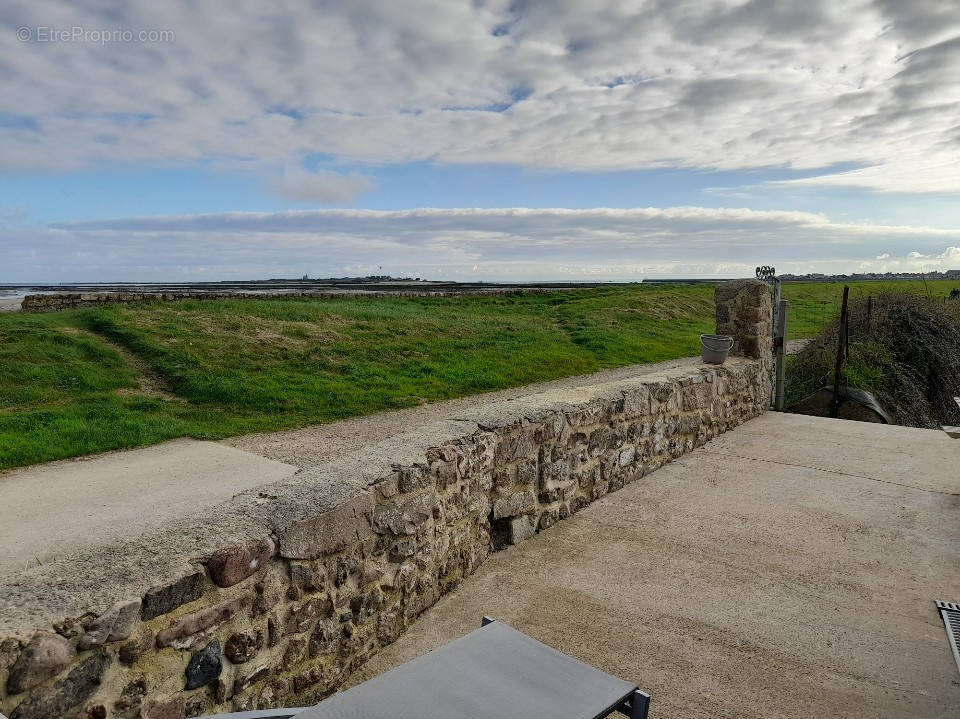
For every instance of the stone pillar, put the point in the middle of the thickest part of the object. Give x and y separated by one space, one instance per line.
745 312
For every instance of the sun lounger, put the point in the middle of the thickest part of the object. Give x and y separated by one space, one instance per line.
491 673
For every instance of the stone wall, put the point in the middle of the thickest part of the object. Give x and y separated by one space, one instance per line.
745 312
77 300
282 615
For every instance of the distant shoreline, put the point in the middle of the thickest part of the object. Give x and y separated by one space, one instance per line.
11 295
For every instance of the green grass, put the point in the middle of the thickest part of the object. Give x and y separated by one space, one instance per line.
237 366
814 304
907 356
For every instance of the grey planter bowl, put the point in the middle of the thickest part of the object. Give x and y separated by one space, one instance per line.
715 348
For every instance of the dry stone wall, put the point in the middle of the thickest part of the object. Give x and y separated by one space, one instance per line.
77 300
282 619
745 312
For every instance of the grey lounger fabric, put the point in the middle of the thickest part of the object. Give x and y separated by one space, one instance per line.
494 672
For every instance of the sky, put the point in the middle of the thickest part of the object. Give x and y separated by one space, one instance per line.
477 139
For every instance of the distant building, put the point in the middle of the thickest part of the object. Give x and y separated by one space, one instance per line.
815 277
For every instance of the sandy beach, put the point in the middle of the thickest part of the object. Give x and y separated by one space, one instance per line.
10 304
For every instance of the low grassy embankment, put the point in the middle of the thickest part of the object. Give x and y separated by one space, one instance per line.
86 381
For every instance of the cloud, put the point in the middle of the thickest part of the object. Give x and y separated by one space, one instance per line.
323 187
510 219
948 259
507 244
884 256
609 84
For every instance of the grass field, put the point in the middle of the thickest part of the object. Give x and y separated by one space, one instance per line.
85 381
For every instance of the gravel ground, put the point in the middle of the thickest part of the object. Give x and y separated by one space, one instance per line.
314 444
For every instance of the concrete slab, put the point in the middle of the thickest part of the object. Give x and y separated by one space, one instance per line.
921 458
787 569
52 510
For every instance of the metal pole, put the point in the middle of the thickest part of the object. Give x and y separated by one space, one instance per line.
774 377
780 354
846 340
776 298
835 404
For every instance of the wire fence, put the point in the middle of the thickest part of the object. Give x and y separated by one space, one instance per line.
809 316
902 345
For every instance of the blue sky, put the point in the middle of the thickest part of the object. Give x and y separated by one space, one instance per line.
817 137
117 193
49 197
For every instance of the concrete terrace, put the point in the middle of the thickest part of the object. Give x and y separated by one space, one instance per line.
786 569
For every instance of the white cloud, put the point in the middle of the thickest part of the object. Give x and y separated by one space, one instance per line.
323 187
609 84
948 259
489 244
884 256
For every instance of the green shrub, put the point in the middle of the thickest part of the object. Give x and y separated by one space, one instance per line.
907 354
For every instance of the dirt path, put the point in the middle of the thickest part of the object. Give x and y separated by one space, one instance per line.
319 443
149 382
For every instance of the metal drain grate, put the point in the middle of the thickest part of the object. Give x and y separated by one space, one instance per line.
950 613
